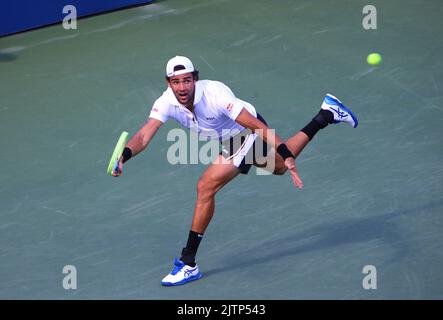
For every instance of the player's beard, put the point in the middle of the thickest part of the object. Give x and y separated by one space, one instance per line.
185 99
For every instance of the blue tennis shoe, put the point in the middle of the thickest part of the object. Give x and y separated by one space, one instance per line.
181 274
341 112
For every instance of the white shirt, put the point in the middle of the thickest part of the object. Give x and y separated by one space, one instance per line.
215 109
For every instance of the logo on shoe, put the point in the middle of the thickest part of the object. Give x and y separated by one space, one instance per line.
341 114
188 273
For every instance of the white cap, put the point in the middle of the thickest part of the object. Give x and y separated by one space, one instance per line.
179 61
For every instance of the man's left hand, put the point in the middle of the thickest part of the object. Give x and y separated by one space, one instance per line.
290 164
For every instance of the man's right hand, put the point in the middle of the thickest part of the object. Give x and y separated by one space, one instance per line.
118 167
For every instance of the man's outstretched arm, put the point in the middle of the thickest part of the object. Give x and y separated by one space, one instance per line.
138 142
246 120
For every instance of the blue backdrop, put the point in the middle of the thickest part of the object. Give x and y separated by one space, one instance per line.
23 15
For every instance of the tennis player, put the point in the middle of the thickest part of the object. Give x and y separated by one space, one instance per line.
212 109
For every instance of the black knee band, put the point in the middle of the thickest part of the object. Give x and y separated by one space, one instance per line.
319 118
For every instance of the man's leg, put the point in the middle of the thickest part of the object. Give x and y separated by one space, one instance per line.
213 179
332 111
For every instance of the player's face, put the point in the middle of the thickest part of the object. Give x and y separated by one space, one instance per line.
183 87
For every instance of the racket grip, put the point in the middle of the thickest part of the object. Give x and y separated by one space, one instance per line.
115 168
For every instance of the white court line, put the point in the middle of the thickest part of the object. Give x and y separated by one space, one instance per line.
207 63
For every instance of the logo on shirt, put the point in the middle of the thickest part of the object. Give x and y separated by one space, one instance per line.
229 107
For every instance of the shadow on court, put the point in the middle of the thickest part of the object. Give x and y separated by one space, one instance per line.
7 57
381 227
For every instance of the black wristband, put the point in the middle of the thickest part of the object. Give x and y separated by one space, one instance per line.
283 150
127 154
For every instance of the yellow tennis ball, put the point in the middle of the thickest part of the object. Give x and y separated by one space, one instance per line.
374 59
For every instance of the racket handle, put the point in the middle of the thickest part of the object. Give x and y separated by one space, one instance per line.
116 163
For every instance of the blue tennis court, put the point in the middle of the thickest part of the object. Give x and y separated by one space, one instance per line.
373 195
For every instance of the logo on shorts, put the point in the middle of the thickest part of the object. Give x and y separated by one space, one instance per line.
229 107
210 118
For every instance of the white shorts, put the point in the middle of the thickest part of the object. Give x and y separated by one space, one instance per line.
244 148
